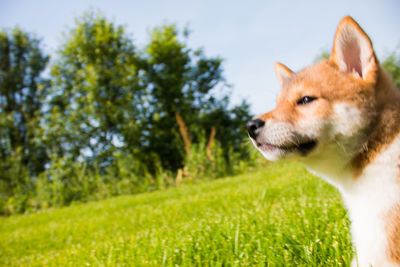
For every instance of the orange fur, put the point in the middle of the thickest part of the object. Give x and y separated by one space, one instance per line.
393 229
282 71
324 81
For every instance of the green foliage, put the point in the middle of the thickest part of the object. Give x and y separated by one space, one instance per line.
392 65
94 92
183 80
15 184
231 132
281 216
323 55
104 123
67 181
22 92
104 120
200 165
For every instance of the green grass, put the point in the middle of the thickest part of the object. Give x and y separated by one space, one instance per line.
280 216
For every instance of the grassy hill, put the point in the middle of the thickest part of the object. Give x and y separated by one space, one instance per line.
280 216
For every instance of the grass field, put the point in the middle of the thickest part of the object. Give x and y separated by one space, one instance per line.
280 216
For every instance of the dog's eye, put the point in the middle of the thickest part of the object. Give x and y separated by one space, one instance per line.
305 100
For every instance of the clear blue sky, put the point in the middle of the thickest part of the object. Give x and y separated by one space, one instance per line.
249 35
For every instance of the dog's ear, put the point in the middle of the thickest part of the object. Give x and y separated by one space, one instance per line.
282 72
353 52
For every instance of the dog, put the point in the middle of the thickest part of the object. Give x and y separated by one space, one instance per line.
341 118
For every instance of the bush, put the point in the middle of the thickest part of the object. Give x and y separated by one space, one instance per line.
15 185
215 163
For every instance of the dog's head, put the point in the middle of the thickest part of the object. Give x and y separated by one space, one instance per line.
323 108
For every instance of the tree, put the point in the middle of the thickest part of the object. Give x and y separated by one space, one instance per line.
392 65
22 93
111 119
95 98
182 83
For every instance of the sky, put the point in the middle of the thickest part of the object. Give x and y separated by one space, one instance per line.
249 35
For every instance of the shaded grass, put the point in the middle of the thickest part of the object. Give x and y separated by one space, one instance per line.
280 216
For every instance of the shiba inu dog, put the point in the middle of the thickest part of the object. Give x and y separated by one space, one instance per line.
341 118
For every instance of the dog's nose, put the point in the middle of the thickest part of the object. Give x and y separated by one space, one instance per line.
252 127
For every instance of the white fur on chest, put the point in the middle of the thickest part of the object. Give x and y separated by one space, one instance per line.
369 198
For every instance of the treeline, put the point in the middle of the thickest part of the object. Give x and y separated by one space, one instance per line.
104 117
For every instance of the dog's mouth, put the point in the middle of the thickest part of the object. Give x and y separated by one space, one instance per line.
303 147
